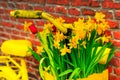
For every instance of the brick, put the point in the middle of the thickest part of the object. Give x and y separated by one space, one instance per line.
0 17
5 35
29 59
23 6
7 24
3 4
69 19
113 77
22 33
5 17
116 43
16 37
81 2
108 15
21 20
108 4
7 11
11 5
8 30
51 1
20 6
36 62
115 61
63 2
113 24
86 11
110 70
49 8
41 2
74 11
117 54
29 20
12 19
108 33
1 10
117 14
35 42
15 32
19 26
117 35
40 23
54 15
61 9
95 4
30 69
37 8
117 71
32 36
111 5
26 6
116 5
1 29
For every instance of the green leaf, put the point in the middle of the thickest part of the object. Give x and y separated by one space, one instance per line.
111 54
95 60
74 73
93 34
41 68
34 54
69 62
65 72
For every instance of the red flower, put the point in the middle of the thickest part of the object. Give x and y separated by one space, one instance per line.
54 30
33 29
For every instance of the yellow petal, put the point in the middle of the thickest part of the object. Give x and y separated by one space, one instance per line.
48 76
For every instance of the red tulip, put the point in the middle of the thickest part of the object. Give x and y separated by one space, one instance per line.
33 29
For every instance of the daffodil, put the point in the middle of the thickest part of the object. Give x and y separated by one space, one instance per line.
90 24
99 16
48 76
39 49
26 26
79 24
56 44
105 39
65 50
59 36
48 26
60 19
73 42
81 34
102 27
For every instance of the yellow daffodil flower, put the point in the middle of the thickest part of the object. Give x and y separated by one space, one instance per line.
79 24
48 76
56 44
60 19
39 49
81 34
90 24
105 39
73 42
99 16
26 26
102 27
48 26
59 36
65 50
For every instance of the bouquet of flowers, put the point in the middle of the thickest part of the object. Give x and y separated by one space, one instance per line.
72 51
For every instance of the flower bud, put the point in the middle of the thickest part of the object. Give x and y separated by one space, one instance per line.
33 29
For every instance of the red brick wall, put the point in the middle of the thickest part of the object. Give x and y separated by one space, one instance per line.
12 28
